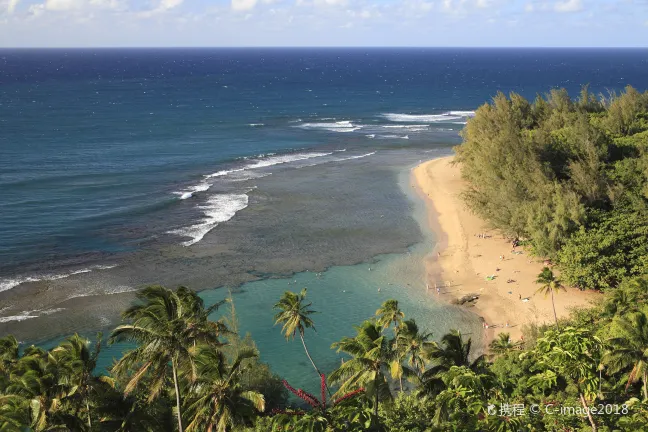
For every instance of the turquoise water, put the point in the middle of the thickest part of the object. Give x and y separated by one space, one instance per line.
343 296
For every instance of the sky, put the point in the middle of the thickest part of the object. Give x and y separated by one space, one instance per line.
234 23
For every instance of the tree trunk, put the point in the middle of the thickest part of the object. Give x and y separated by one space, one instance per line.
177 392
589 415
645 390
376 403
89 420
319 374
554 310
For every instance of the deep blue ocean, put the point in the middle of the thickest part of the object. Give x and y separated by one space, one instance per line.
221 167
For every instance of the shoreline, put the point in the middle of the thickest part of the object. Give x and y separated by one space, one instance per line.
461 261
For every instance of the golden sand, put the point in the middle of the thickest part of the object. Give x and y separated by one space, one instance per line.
467 252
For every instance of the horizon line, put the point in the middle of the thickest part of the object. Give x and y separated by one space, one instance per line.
329 47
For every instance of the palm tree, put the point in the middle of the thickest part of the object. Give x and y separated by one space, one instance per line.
630 349
13 413
371 356
79 362
503 344
8 357
389 313
412 347
294 315
452 351
218 400
167 325
36 377
549 285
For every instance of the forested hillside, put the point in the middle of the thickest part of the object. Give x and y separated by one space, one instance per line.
569 176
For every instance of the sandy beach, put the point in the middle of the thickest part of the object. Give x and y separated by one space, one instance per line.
467 252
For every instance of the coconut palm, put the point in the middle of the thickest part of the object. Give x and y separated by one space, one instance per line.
78 362
549 285
36 378
371 355
389 313
218 400
166 325
452 351
8 357
412 348
13 413
294 316
630 349
503 344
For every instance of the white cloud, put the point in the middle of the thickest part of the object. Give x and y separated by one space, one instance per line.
483 3
569 6
8 5
169 4
36 10
331 2
529 7
243 5
63 5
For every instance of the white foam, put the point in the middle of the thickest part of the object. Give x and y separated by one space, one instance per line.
223 173
256 124
357 157
371 136
414 127
428 118
394 136
25 315
339 126
276 160
463 113
188 193
8 283
22 317
217 209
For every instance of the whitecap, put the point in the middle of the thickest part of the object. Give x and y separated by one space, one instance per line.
9 283
188 193
428 118
338 126
463 113
217 209
357 157
25 315
223 173
276 160
22 317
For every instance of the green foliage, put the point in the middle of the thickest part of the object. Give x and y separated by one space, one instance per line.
409 413
572 177
613 247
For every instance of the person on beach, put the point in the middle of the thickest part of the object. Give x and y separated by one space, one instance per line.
438 290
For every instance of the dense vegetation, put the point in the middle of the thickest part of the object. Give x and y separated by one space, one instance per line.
187 372
569 176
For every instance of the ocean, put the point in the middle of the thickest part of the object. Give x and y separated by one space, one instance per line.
248 169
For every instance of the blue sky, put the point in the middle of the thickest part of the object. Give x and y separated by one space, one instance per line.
117 23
